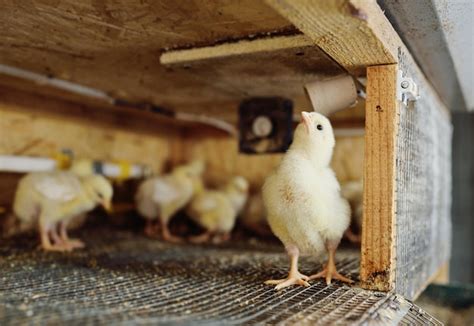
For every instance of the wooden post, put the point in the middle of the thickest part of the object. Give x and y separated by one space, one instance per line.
378 230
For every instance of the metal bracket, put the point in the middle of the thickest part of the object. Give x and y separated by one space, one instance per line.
407 89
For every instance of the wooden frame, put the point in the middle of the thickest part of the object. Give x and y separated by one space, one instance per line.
346 35
378 230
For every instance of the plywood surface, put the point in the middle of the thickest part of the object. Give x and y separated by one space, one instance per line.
378 229
355 33
115 47
34 126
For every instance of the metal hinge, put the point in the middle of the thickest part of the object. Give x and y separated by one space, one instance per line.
407 89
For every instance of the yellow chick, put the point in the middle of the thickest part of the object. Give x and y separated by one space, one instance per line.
353 191
52 199
217 210
302 198
254 216
82 167
160 198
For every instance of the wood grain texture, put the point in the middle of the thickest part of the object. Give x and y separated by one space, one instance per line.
37 126
115 47
243 47
378 230
355 33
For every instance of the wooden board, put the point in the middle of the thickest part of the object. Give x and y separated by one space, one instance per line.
355 33
378 229
37 126
115 47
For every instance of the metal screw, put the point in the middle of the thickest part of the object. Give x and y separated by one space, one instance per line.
405 84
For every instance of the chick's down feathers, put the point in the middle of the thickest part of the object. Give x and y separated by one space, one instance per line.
217 210
302 196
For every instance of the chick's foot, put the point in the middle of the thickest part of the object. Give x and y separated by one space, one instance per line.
152 229
168 237
75 243
221 238
202 238
294 278
330 271
56 247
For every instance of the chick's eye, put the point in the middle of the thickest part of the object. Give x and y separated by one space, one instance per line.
319 127
100 195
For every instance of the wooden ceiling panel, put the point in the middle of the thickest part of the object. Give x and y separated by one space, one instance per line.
115 46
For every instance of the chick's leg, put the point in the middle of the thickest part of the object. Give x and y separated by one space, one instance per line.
45 231
221 238
330 272
166 234
294 276
72 243
152 228
352 237
201 238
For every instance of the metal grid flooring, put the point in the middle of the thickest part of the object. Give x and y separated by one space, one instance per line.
124 278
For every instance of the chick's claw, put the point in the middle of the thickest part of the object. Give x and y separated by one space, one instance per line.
56 247
296 279
330 273
75 243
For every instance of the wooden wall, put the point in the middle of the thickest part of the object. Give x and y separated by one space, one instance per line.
38 126
223 159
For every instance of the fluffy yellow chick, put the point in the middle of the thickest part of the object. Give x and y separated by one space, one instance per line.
159 198
353 191
254 216
303 201
217 210
52 199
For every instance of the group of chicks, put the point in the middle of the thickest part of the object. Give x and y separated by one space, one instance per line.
159 199
302 199
51 200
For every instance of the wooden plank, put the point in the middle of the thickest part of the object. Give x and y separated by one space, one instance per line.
378 230
114 46
355 33
38 126
243 47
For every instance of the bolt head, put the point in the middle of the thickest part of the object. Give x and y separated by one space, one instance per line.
405 84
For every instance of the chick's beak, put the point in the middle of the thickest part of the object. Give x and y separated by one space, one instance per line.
107 206
306 120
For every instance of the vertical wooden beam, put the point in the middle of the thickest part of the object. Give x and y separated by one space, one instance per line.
378 230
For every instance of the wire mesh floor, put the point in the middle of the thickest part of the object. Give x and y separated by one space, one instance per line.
124 278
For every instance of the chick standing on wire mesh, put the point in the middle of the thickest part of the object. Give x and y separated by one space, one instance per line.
52 199
302 197
159 198
353 191
217 210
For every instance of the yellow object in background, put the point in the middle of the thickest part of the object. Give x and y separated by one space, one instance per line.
63 159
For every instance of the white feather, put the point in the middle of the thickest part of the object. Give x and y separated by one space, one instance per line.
164 192
61 188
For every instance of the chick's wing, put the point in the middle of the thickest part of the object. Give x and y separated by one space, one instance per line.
165 191
61 188
205 203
